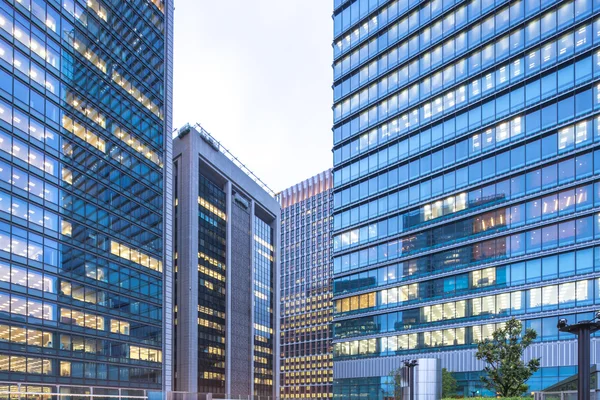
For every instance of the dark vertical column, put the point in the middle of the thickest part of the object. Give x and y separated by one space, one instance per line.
584 361
411 382
242 332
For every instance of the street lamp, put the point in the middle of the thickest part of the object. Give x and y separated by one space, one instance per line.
583 330
411 364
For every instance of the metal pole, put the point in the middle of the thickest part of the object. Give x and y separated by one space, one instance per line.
584 361
583 330
411 384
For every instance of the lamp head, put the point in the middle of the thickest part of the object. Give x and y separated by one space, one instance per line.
598 315
562 323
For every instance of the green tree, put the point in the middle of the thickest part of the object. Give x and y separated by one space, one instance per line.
448 383
396 380
505 370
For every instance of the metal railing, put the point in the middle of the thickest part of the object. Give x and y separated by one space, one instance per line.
212 396
566 395
218 146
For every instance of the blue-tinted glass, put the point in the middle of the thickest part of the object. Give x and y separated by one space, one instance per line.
543 125
583 102
565 109
6 82
533 122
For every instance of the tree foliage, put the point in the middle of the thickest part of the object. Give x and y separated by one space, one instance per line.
505 370
396 376
448 383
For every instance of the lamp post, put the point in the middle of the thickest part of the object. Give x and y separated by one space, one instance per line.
583 330
411 364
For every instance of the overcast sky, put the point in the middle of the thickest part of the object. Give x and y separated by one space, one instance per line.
257 75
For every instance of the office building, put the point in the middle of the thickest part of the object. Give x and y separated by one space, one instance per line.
227 272
306 308
466 183
85 98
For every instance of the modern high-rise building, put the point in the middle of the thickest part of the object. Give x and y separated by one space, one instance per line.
227 272
85 99
306 271
466 186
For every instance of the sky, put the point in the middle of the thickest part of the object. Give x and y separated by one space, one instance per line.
256 74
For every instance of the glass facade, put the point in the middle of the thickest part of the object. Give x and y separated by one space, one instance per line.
466 166
212 240
82 122
306 307
263 304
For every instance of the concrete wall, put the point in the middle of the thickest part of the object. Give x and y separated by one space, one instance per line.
192 152
240 336
168 205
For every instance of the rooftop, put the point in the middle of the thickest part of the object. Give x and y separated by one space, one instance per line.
215 144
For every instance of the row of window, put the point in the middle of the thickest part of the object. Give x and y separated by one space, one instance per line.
515 159
550 267
133 255
536 210
102 221
39 338
109 301
535 91
551 236
547 268
34 157
560 173
23 151
566 139
99 272
430 35
33 38
360 8
547 298
29 278
103 372
520 67
29 185
50 53
30 126
417 18
135 201
453 72
535 121
27 246
424 140
427 36
470 335
32 213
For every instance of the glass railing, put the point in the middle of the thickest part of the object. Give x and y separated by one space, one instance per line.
204 396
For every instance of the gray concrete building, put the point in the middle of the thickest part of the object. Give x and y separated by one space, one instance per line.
226 230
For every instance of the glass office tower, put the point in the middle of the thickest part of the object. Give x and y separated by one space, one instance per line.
306 308
84 108
466 181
